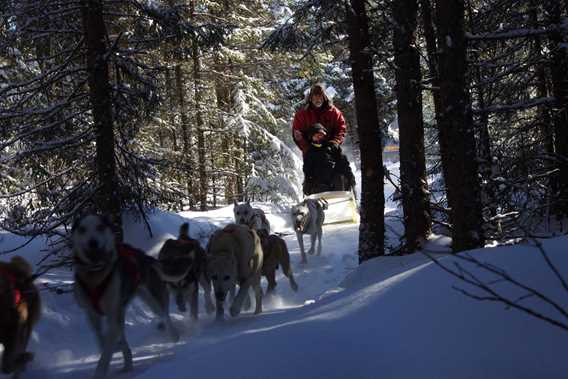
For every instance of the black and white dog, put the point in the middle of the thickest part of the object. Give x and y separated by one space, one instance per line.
107 277
308 218
254 218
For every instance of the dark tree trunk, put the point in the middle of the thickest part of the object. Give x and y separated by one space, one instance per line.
482 127
414 186
172 105
372 229
559 71
186 132
462 182
199 121
544 117
107 196
432 52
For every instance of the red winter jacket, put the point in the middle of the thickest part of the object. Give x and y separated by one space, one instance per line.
329 116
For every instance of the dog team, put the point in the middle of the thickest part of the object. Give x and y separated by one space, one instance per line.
109 275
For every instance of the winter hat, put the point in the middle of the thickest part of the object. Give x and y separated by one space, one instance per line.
316 128
318 89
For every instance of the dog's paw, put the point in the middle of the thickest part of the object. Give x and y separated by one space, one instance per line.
235 311
209 308
128 366
175 337
294 286
311 252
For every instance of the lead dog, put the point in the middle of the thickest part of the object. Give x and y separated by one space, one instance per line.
276 254
234 256
184 263
20 308
254 218
107 277
308 218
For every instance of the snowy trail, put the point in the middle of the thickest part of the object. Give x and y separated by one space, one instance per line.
71 351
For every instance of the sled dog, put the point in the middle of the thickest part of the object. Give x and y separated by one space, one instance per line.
308 218
255 218
20 308
234 257
107 277
276 254
183 263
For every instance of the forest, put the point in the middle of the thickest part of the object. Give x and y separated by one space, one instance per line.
126 123
129 105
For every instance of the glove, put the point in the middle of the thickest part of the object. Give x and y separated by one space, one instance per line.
333 148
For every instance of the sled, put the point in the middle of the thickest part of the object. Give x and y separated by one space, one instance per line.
342 206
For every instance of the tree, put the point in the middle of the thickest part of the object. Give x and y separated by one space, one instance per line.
456 129
107 196
415 199
556 10
371 230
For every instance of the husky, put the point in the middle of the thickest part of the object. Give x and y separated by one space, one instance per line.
276 253
254 218
107 277
308 218
183 262
20 308
234 257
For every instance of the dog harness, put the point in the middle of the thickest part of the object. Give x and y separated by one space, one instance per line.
17 293
126 256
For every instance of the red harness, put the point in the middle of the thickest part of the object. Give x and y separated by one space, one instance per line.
127 254
17 293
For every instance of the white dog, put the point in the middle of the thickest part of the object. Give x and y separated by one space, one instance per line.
254 218
107 277
308 218
234 256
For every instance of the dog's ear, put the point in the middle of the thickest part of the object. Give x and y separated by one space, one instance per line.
248 202
184 230
76 220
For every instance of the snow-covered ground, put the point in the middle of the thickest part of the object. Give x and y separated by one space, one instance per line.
392 317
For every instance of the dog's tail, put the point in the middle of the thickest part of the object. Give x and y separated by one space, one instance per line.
184 231
284 261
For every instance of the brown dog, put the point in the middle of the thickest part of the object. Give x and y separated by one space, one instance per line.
20 309
183 264
275 254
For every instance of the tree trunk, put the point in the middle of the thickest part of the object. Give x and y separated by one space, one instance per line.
199 121
107 196
372 229
544 117
484 140
462 182
415 199
432 52
559 71
185 127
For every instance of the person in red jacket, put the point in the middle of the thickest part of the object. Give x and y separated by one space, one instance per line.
318 110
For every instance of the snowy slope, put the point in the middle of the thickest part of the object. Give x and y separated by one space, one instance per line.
393 317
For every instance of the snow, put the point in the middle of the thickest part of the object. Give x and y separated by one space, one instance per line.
391 317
